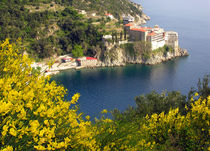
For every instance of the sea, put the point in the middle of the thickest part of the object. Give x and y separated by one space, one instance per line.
116 87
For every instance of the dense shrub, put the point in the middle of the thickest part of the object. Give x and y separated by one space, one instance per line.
170 130
33 112
45 32
35 116
77 51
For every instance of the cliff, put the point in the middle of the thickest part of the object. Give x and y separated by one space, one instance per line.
116 55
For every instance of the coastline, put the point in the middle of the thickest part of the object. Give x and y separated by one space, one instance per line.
121 58
55 69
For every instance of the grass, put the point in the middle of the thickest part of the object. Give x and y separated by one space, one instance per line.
164 50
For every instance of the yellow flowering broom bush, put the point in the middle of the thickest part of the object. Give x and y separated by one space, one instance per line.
174 131
33 115
165 131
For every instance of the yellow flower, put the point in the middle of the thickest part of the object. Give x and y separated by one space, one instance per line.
8 148
22 114
29 105
104 111
40 147
50 122
107 120
87 117
34 123
61 145
67 140
46 122
75 98
13 132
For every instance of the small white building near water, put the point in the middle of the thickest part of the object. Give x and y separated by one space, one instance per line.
87 61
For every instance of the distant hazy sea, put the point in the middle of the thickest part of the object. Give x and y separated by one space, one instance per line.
109 88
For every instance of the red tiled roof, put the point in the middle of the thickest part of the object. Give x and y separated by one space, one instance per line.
90 58
128 25
138 29
151 34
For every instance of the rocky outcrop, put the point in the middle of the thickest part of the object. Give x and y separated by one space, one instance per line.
117 56
140 19
159 58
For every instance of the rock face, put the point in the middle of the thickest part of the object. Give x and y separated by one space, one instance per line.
140 19
117 56
156 59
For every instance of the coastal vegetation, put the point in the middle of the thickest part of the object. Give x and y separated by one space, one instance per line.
54 27
77 51
34 115
116 8
144 50
136 49
46 33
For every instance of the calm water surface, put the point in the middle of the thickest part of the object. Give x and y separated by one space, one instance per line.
109 88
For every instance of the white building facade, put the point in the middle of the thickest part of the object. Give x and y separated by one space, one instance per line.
156 36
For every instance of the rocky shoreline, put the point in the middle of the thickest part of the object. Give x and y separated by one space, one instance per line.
114 55
169 56
153 60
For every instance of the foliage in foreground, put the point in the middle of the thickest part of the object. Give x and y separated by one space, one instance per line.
35 116
33 113
172 130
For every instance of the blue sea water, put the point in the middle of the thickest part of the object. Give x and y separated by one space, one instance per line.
109 88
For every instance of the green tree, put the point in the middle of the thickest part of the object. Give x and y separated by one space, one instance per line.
77 51
203 86
143 49
157 103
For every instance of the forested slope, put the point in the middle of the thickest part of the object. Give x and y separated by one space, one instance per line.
49 27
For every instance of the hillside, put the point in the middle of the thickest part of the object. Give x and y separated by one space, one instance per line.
115 7
53 27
